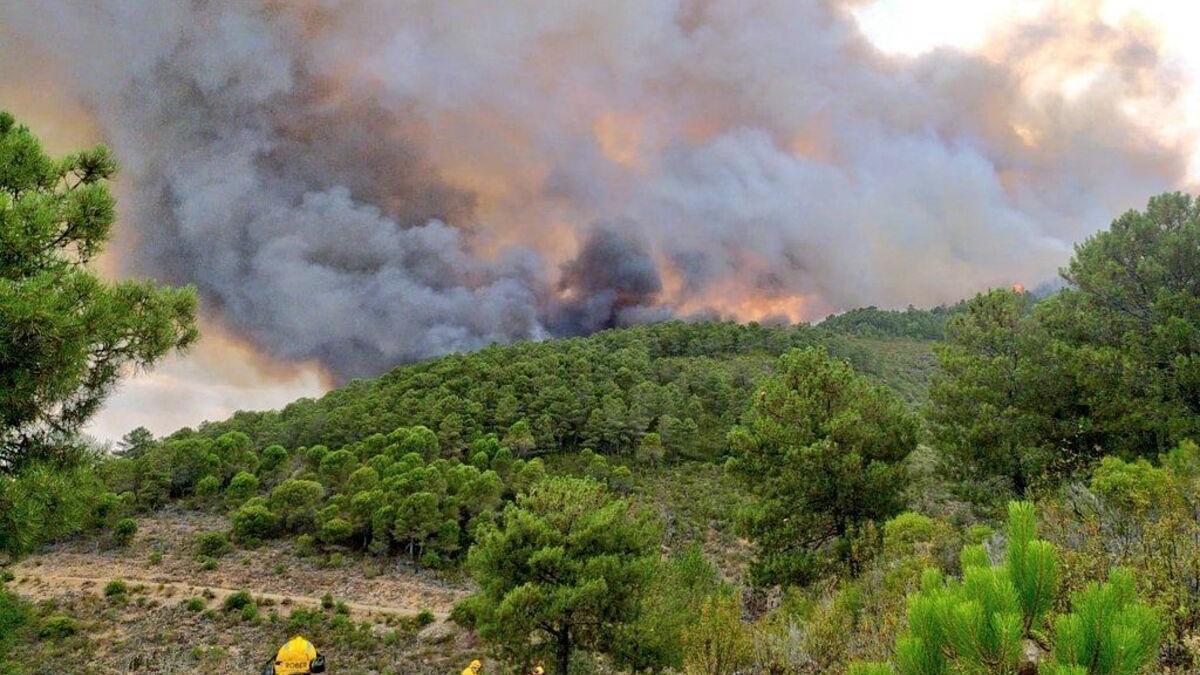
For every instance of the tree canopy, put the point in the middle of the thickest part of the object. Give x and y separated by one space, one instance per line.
1109 365
823 450
67 336
564 570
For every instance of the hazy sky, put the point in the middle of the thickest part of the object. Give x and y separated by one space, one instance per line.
358 183
911 27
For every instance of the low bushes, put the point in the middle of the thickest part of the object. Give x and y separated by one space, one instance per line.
116 587
124 531
979 623
212 544
254 521
237 601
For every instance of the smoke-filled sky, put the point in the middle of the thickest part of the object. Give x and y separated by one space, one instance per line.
354 184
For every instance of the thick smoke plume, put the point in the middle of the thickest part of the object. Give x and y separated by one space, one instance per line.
365 182
613 280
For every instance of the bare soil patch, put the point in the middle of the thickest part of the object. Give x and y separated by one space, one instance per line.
150 629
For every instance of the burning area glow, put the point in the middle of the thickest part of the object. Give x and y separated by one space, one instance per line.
354 184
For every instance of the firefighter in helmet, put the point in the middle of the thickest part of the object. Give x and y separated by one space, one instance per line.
296 657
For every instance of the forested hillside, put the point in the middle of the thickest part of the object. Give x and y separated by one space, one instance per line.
1010 485
919 324
688 382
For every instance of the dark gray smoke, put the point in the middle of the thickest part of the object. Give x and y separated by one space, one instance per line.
368 181
301 209
613 281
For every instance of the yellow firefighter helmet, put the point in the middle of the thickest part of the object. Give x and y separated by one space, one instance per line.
298 657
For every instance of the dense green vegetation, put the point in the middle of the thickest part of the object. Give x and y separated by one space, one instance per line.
978 624
66 335
823 450
687 382
1031 392
918 324
684 497
565 566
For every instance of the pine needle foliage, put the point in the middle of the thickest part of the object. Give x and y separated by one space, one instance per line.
1110 632
978 624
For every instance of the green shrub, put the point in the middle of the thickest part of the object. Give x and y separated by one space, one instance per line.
156 557
273 457
425 617
327 601
1109 632
650 448
208 486
315 454
481 460
212 544
237 601
116 587
194 604
243 486
305 545
124 531
1133 486
336 531
621 480
45 503
364 479
250 613
465 612
14 613
232 453
154 489
977 624
254 521
337 466
296 501
107 508
902 533
718 642
422 441
57 627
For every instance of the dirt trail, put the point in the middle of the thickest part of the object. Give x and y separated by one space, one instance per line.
36 584
161 559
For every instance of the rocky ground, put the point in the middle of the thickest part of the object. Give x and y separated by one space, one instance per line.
172 618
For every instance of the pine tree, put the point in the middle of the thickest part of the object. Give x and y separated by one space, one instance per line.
977 625
66 335
1109 633
564 569
823 451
